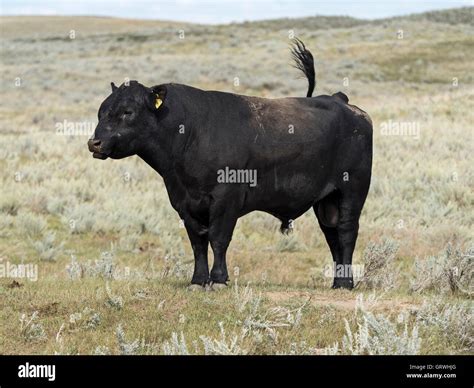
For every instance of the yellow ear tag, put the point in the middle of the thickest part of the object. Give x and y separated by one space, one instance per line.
158 102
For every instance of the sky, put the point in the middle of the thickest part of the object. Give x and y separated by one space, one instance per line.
225 11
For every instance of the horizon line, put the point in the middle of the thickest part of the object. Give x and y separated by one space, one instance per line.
100 16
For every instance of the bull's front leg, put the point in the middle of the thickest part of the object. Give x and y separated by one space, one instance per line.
199 243
221 227
219 273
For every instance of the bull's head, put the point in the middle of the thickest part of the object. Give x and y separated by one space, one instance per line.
125 118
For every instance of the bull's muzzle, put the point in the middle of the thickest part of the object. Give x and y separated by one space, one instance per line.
95 147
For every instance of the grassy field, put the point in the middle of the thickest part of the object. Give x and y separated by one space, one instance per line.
112 259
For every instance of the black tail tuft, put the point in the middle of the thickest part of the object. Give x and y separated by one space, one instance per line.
304 61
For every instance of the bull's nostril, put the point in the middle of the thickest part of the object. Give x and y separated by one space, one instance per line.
94 143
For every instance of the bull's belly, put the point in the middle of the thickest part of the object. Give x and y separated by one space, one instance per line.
287 198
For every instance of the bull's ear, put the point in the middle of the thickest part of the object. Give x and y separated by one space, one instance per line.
114 88
159 95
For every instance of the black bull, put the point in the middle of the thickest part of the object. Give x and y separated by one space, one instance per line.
223 155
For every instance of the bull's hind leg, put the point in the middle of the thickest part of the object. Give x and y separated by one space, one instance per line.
338 215
350 207
327 212
347 230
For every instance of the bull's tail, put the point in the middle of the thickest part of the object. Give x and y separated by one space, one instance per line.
304 61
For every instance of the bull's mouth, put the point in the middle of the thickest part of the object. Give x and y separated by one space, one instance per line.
99 155
95 146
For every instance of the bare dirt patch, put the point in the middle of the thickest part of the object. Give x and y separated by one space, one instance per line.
346 301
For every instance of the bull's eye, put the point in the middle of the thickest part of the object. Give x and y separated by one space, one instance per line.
127 114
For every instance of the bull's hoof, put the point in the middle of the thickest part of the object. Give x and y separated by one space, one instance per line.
195 287
217 286
346 283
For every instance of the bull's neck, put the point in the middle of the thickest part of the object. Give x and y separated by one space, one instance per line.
174 132
157 159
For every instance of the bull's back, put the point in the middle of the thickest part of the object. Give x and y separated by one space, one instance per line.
266 132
